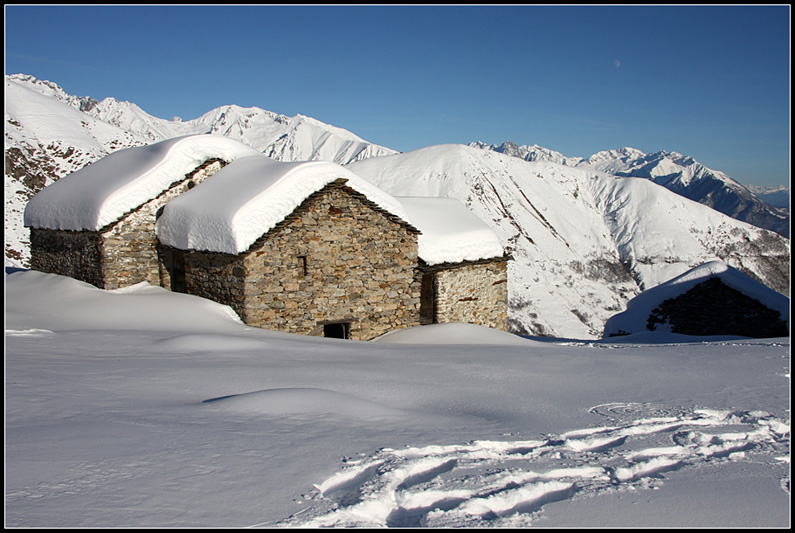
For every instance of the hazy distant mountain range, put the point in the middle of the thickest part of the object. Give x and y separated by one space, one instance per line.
584 238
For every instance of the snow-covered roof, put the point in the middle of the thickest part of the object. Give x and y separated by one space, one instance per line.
249 197
450 232
101 193
634 319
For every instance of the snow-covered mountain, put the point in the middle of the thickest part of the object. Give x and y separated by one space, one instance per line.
297 138
681 174
529 153
686 176
49 134
584 241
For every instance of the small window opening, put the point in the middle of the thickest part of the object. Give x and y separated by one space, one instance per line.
339 330
302 269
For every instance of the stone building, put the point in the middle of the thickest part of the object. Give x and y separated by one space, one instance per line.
714 308
462 268
98 224
710 299
306 248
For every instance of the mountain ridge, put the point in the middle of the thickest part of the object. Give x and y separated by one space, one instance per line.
679 173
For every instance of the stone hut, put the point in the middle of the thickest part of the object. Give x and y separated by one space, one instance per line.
462 265
98 224
305 247
311 248
710 299
714 308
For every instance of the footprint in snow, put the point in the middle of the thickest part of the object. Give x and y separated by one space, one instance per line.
492 483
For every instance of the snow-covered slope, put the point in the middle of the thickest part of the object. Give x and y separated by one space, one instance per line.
49 134
681 174
686 176
583 241
145 408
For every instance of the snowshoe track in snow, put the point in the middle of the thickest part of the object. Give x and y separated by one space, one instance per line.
507 483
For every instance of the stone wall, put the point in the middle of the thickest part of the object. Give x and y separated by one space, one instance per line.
77 254
120 254
218 277
474 293
337 259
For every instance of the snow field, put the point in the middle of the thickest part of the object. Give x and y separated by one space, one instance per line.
486 482
146 408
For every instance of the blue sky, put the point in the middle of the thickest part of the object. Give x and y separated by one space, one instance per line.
709 82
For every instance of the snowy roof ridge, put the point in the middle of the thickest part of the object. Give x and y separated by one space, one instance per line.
101 193
451 233
248 198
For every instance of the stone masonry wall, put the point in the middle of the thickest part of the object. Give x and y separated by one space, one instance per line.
714 308
77 254
337 258
218 277
474 294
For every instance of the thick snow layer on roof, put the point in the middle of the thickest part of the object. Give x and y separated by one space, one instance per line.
247 198
450 231
634 319
101 193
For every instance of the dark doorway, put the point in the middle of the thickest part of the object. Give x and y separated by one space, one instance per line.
338 330
178 283
428 299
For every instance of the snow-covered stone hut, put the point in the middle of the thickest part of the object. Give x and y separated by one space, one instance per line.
98 223
710 299
303 247
462 265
